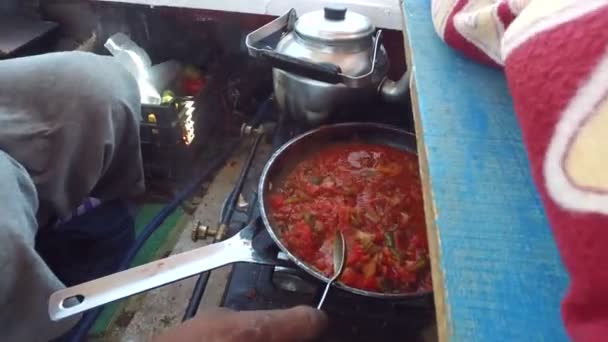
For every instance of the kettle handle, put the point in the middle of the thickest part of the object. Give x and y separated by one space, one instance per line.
325 72
258 40
257 46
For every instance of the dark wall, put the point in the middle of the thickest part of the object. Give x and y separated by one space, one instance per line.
195 35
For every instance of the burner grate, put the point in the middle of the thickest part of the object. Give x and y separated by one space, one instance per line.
352 317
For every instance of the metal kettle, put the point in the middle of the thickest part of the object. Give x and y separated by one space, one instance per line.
325 62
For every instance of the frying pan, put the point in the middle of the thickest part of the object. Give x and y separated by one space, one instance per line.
79 298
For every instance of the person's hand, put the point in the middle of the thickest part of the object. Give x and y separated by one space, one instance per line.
301 323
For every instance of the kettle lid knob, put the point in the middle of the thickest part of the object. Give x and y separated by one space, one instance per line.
334 13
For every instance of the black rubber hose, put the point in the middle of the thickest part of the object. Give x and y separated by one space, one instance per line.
84 325
89 318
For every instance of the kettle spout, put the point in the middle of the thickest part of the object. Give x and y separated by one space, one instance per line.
396 92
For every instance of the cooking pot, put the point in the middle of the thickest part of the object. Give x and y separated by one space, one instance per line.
325 62
238 248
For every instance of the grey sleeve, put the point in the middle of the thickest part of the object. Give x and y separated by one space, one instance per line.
25 282
69 128
72 120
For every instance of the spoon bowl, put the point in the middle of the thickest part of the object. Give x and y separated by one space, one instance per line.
339 256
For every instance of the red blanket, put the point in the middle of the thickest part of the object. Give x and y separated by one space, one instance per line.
555 56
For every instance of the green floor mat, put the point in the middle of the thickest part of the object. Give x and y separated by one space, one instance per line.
158 245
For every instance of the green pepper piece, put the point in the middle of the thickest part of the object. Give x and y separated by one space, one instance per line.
389 238
354 220
292 199
421 263
386 284
372 216
310 219
316 180
368 173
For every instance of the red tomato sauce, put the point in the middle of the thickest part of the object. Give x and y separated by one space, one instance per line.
372 194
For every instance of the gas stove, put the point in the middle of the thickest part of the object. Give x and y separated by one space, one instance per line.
352 317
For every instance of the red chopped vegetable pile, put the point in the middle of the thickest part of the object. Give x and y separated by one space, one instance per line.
372 194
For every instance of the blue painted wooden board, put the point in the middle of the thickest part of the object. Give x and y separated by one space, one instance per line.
500 275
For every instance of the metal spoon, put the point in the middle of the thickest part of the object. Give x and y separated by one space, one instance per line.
339 256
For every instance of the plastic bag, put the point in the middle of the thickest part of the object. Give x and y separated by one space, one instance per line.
137 62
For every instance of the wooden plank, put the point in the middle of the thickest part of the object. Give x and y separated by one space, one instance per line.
431 227
496 270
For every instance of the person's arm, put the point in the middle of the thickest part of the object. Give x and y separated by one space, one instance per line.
300 323
25 282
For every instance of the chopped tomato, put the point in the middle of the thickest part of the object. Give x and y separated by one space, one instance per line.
276 201
392 169
344 216
370 283
301 238
372 194
354 254
348 276
419 241
312 189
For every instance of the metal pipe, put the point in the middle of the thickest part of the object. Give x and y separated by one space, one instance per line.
203 279
228 209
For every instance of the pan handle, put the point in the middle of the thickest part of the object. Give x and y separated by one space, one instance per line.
79 298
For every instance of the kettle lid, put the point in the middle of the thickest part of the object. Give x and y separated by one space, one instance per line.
334 24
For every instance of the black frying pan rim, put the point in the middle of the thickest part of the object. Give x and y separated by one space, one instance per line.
264 179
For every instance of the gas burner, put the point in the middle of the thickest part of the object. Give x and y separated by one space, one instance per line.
257 287
290 279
